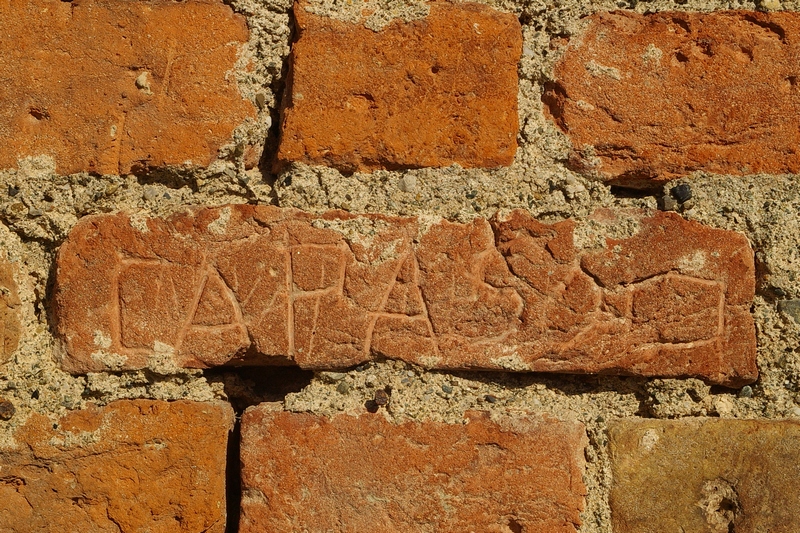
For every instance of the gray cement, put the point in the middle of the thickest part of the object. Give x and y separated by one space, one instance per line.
38 208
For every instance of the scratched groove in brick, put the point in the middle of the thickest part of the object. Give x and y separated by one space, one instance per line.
110 86
258 284
425 93
303 472
647 98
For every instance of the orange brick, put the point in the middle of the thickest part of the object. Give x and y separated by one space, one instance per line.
648 98
138 465
10 327
426 93
257 284
114 86
302 472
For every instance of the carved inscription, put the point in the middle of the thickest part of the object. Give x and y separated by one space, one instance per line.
261 285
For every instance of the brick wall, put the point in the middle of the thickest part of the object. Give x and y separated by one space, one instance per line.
406 266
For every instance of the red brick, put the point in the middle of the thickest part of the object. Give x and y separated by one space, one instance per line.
70 72
426 93
302 472
647 98
131 466
708 475
257 284
10 327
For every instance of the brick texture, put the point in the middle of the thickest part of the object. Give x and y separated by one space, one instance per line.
426 93
705 475
647 98
132 466
10 327
112 86
258 284
302 472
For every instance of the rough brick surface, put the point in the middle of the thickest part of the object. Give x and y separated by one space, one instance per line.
302 472
111 86
252 284
10 327
426 93
647 98
132 466
705 475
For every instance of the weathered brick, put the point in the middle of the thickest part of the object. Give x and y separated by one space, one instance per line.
10 327
705 475
258 284
130 466
647 98
113 86
426 93
302 472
